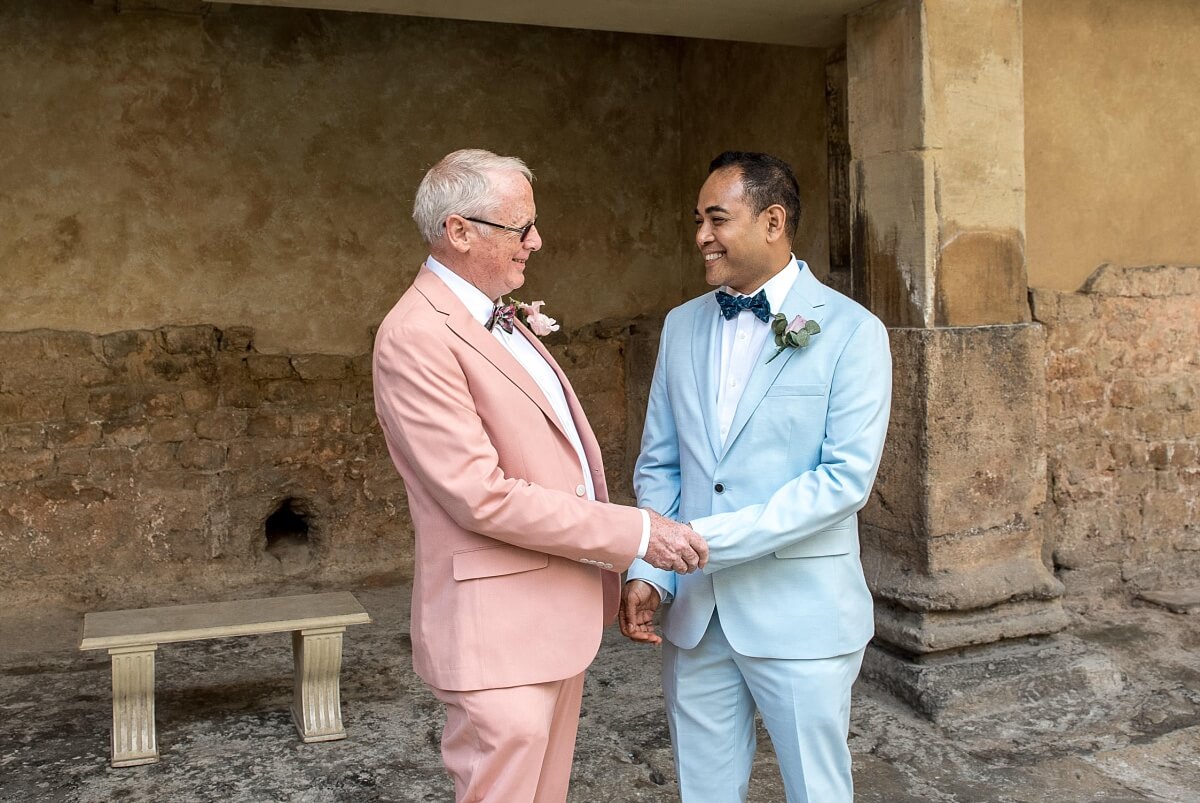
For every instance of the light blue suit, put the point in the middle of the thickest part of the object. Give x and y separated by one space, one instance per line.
777 501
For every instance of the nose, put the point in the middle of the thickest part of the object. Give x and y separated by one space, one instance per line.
704 234
533 240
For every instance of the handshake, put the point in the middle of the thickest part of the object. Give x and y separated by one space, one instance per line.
674 547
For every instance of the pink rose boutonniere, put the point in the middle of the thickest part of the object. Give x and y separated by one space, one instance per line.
532 316
794 334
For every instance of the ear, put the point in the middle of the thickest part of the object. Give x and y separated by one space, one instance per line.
456 234
776 222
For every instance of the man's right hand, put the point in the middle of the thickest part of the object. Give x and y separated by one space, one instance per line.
674 547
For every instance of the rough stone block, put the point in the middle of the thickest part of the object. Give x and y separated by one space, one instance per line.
172 430
270 366
110 461
363 419
268 425
120 346
197 400
10 408
26 466
320 366
160 405
221 425
245 395
74 462
25 436
119 434
156 457
236 338
202 455
117 403
188 339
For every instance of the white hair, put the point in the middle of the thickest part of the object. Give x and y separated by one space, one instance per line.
459 185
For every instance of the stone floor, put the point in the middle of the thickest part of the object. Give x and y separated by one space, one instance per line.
1122 725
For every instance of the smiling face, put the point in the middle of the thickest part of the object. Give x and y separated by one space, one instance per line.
741 249
493 259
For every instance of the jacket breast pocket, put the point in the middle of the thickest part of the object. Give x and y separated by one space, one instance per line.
840 539
796 390
496 561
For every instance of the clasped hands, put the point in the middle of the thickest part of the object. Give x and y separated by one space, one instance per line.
673 547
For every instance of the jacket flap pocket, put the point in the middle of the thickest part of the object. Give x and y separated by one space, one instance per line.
495 561
796 390
837 540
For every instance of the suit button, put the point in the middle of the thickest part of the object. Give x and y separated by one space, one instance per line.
719 488
580 490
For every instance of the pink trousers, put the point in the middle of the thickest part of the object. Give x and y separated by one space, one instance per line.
511 745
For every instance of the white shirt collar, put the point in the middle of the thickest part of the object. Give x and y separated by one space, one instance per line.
478 304
777 287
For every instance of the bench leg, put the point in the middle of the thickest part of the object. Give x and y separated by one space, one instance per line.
133 737
317 702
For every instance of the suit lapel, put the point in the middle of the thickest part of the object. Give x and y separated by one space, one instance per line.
459 320
706 353
805 298
591 447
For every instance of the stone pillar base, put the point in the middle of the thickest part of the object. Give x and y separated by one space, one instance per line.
931 631
988 681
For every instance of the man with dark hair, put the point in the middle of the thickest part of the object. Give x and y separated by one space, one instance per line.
765 426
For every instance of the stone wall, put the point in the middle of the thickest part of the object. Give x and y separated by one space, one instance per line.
143 466
1123 435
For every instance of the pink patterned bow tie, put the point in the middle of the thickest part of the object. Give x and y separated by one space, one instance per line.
502 314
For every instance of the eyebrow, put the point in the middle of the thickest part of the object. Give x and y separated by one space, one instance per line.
713 208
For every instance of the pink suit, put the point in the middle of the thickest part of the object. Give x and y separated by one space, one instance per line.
516 571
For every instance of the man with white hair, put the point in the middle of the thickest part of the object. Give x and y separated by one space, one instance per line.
518 551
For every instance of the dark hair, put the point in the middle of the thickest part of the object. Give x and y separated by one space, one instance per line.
766 180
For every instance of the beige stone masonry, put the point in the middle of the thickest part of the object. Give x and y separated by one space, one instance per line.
131 637
937 133
1123 435
952 546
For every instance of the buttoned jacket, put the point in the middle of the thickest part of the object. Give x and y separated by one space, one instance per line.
778 498
515 570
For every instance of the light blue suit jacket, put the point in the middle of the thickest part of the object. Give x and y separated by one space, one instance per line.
778 501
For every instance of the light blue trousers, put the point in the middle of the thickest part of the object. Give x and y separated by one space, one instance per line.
712 693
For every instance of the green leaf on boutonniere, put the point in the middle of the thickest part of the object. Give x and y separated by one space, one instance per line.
792 335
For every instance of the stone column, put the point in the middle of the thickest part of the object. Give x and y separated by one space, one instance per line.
951 543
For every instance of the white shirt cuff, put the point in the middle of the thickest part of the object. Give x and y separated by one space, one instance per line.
645 533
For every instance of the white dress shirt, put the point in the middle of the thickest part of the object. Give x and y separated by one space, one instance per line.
743 338
480 307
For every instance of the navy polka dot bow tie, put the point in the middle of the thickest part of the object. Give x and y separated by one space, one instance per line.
757 303
502 314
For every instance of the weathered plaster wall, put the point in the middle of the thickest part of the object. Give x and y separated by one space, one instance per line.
1123 434
754 98
257 168
1112 133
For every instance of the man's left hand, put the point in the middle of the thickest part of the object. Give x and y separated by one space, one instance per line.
639 601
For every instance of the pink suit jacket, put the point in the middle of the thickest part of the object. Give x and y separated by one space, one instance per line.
516 570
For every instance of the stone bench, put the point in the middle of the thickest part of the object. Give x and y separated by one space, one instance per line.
316 622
